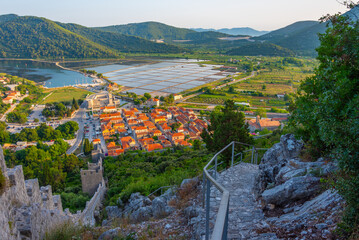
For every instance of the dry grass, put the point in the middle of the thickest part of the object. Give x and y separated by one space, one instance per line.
185 194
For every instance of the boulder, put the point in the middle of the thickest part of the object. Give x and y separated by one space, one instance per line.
277 156
110 234
141 214
169 194
294 189
192 212
113 212
119 202
160 208
312 214
137 201
188 180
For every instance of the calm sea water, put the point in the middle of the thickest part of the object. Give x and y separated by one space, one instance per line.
47 73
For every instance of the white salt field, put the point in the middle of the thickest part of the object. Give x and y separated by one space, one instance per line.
161 78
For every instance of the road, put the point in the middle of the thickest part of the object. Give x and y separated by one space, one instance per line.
3 118
236 81
79 118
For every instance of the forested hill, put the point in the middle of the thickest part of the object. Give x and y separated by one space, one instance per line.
121 42
265 49
34 37
300 37
234 31
156 30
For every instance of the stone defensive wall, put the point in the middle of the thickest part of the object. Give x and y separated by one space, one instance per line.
28 211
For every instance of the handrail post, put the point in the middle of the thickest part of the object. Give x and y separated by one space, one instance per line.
252 160
215 168
204 189
208 198
232 153
225 230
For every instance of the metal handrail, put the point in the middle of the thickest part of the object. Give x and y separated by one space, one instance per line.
221 224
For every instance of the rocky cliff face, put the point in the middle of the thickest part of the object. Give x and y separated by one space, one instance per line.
292 195
26 210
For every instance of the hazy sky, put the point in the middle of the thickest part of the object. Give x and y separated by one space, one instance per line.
258 14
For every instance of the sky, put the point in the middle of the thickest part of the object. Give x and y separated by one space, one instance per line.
258 14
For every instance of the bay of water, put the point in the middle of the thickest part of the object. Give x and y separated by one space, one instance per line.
47 73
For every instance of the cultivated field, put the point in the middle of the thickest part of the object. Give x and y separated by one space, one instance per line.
65 94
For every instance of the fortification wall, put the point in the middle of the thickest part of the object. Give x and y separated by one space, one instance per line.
26 210
92 178
87 216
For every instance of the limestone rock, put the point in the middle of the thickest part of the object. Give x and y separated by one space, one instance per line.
137 201
110 234
188 180
113 212
277 156
141 214
294 189
192 212
160 208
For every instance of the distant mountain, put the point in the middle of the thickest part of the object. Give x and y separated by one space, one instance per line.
300 37
34 37
246 31
121 42
264 49
157 31
7 17
287 31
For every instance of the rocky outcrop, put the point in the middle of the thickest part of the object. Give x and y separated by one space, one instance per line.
315 219
140 208
291 193
277 156
294 189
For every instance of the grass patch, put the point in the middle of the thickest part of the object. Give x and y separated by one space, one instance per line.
65 94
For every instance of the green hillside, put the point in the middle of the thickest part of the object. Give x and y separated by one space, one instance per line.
121 42
287 31
33 37
265 49
300 37
155 30
7 17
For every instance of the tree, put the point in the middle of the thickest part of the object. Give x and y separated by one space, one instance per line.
175 126
227 125
231 89
261 112
16 117
75 104
147 96
326 111
36 120
197 144
87 147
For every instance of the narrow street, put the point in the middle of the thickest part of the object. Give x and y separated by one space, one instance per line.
79 118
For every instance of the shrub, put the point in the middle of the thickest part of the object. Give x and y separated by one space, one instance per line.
2 183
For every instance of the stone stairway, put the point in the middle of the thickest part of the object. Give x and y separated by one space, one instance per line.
245 214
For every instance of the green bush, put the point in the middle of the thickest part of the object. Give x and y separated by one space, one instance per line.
2 182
